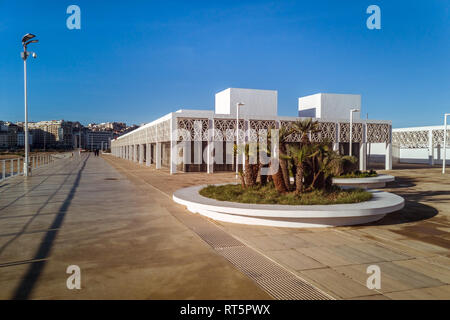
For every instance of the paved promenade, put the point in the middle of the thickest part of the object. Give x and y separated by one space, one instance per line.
116 220
411 247
124 237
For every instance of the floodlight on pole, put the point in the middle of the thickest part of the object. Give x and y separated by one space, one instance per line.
445 142
26 40
239 104
351 129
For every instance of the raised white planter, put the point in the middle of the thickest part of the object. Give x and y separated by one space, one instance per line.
287 215
369 182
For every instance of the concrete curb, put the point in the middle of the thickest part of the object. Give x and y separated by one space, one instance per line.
290 216
369 182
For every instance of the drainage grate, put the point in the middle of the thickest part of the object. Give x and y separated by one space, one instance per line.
275 280
278 282
217 238
292 289
253 264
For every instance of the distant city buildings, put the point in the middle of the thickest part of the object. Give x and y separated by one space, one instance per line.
99 139
61 134
21 139
8 134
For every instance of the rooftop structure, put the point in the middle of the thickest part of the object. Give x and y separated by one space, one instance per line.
329 105
256 102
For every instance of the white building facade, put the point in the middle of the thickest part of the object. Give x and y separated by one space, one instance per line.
420 145
202 140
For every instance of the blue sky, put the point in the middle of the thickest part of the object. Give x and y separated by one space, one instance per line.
134 61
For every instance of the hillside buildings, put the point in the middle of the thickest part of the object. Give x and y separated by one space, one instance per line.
61 134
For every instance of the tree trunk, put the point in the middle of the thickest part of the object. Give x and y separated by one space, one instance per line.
299 179
284 167
255 170
278 181
248 172
262 177
242 180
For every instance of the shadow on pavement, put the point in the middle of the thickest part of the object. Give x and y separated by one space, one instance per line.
412 212
25 287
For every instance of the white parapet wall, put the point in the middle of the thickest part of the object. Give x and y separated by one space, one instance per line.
329 106
420 145
256 102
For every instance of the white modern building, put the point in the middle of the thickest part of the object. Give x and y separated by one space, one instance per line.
421 145
177 139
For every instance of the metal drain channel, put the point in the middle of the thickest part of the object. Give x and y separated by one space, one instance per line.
271 277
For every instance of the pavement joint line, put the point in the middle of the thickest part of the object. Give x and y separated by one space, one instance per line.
11 204
27 232
152 186
27 191
355 280
15 263
40 207
27 215
46 167
245 245
384 245
31 276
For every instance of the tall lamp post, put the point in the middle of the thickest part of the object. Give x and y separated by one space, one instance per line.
445 142
239 104
26 40
351 129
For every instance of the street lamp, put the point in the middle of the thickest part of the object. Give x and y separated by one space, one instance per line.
26 40
445 142
239 104
351 128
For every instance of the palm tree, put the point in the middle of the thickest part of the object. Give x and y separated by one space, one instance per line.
283 135
275 172
304 127
300 155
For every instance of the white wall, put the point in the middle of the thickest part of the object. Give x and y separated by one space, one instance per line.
331 105
414 155
313 101
408 155
257 102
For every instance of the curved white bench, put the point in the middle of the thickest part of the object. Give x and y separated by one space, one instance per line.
369 182
287 215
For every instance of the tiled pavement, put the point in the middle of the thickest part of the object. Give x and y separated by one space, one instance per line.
411 246
124 237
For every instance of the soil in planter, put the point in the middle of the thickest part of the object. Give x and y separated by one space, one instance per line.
267 194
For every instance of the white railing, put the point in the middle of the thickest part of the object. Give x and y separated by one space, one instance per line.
14 167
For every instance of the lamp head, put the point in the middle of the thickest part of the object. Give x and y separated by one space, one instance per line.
354 110
27 37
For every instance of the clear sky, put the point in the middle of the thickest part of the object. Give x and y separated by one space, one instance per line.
134 61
